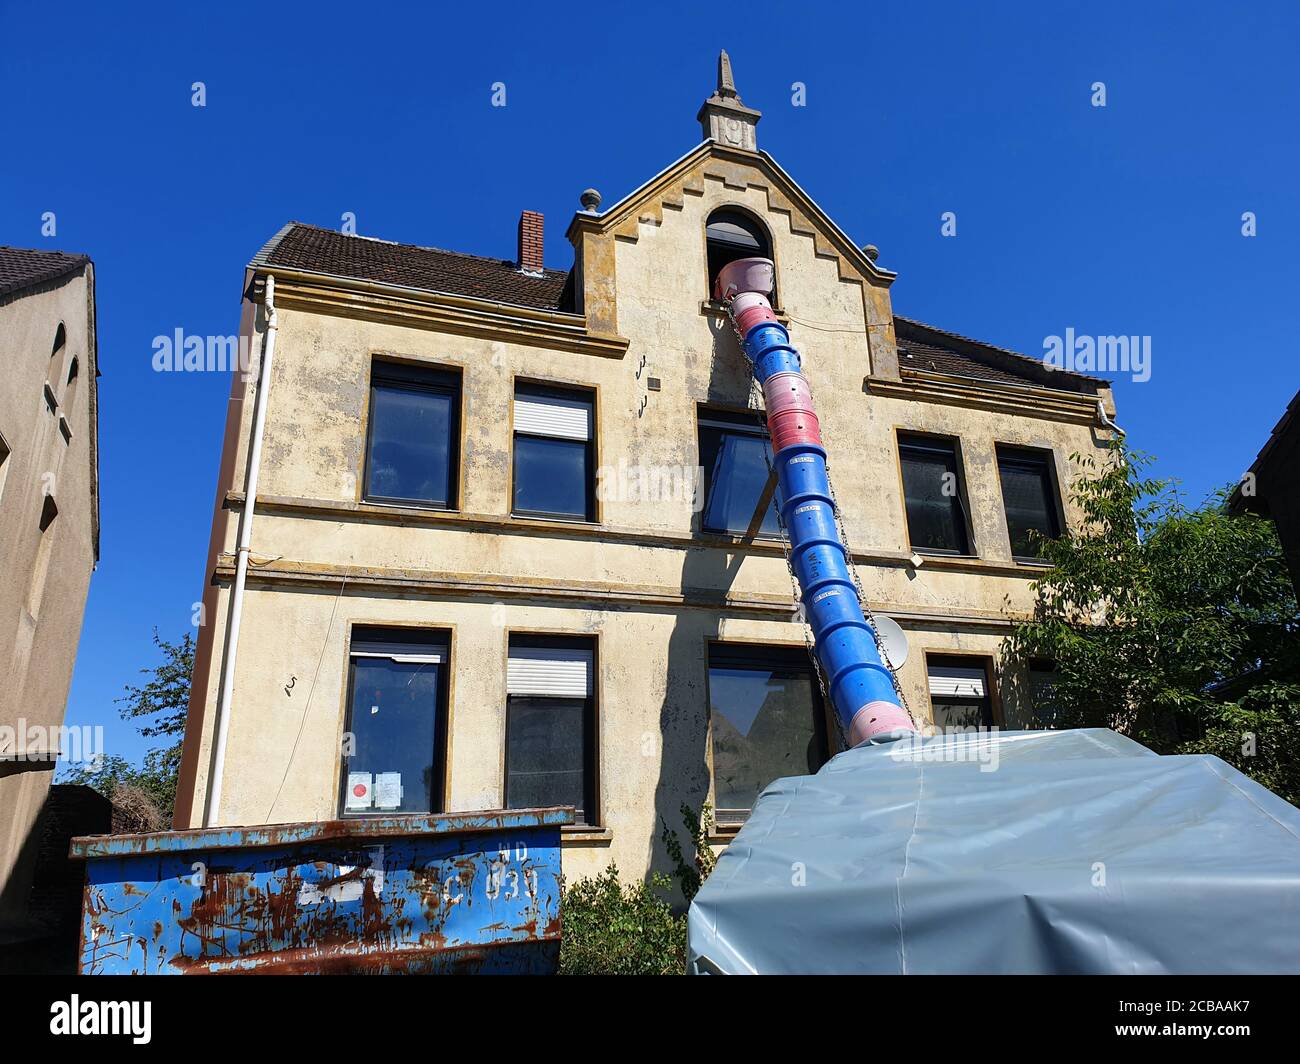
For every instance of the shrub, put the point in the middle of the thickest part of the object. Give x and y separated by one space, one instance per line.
612 928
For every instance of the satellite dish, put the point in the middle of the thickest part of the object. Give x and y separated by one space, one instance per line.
893 641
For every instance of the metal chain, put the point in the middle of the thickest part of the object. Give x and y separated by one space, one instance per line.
853 570
785 547
862 601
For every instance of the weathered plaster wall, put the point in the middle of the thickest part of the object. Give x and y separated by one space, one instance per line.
38 640
652 590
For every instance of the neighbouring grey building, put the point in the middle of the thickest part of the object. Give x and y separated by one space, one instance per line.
1271 488
49 534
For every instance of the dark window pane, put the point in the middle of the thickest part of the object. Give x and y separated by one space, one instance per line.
960 694
735 456
736 465
411 431
965 712
766 725
552 476
935 519
1042 695
1029 501
394 721
738 230
546 746
731 235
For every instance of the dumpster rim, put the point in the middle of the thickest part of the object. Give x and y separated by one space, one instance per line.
237 837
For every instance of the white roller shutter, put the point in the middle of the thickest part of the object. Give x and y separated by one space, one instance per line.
549 672
565 419
431 658
958 681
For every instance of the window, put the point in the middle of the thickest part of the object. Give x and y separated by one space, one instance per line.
730 235
412 438
767 720
960 692
55 367
932 489
739 486
4 464
551 724
1029 498
1042 693
69 399
41 567
553 460
397 698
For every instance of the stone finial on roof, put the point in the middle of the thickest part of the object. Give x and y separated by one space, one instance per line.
723 117
726 83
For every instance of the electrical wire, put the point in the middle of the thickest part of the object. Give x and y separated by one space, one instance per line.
293 752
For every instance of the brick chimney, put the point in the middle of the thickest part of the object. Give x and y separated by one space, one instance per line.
530 242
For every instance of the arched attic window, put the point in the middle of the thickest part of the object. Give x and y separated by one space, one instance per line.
60 342
55 369
70 386
729 235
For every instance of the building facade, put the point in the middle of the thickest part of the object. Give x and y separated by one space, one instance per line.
49 533
1271 487
513 541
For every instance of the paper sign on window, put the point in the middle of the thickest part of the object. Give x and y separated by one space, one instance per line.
360 791
388 790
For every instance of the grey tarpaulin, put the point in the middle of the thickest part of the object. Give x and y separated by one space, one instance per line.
1048 851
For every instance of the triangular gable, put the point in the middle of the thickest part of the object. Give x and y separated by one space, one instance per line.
593 234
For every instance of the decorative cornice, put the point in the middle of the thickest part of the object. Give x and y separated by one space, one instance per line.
432 584
494 524
784 196
439 312
922 386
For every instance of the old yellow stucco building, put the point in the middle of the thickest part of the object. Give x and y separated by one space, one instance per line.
478 574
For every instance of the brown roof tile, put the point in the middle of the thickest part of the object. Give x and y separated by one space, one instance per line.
24 267
924 347
325 251
308 248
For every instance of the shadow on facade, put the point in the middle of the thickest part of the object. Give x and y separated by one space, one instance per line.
43 897
707 576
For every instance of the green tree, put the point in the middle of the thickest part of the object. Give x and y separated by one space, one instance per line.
159 705
1177 626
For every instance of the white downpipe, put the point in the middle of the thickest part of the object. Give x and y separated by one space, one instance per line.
212 814
1105 418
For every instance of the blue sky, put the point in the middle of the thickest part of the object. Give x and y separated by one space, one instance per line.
1117 220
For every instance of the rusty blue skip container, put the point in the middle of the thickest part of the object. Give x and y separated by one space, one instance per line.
444 893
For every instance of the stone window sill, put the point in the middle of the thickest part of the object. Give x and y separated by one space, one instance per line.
585 835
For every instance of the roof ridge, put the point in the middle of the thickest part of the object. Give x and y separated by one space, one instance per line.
45 251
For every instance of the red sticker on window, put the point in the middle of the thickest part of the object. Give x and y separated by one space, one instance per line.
359 790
